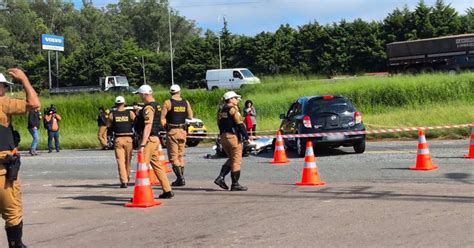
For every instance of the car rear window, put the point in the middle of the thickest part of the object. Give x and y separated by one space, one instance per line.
336 105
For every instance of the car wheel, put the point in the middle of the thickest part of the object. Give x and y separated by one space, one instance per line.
214 88
359 147
192 143
300 147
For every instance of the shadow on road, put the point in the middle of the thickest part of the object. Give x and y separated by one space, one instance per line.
460 177
106 200
399 168
195 189
450 157
90 186
349 193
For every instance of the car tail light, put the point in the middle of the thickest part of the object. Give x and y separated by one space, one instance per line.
307 121
357 117
328 97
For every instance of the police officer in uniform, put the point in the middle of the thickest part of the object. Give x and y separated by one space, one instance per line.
173 116
150 141
233 133
10 190
121 123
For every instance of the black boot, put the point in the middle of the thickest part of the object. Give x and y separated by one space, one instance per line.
183 182
220 181
166 195
235 182
179 177
14 234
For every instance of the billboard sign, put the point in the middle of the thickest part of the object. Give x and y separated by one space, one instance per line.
52 42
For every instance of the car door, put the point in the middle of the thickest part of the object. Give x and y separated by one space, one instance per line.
288 125
236 79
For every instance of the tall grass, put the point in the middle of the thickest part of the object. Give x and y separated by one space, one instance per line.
384 101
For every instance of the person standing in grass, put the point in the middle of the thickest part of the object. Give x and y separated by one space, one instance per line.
34 120
52 120
250 118
102 123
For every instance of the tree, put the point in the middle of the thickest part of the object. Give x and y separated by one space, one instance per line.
423 26
444 19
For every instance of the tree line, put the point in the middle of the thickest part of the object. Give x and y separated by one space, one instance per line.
112 40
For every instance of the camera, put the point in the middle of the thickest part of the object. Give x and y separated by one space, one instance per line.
50 111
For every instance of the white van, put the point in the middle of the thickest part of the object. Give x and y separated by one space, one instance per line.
229 78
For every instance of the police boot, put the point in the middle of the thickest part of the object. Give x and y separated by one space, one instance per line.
235 182
179 177
166 195
14 234
220 181
182 176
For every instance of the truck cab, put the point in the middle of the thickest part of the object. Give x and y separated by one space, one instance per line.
109 82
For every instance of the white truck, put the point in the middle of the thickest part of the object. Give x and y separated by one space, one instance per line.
109 83
229 78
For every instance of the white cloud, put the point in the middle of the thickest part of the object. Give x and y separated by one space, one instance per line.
253 16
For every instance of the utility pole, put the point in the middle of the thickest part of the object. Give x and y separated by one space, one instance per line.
49 70
171 45
219 41
142 64
57 69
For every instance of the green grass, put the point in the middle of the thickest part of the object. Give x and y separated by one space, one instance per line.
399 101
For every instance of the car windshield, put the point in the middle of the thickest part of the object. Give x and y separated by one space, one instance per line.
336 105
122 80
247 73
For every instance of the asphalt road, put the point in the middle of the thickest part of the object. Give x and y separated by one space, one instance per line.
72 199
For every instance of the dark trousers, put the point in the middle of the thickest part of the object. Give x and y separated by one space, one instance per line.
53 135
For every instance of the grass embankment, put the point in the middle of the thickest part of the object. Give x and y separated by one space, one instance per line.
399 101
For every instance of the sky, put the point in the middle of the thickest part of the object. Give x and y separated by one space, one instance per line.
250 17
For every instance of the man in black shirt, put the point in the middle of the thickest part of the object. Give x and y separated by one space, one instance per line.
34 117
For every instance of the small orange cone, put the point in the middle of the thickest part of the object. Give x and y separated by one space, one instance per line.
279 157
142 193
163 160
423 157
310 171
471 145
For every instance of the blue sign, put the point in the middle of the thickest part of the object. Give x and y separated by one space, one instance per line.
52 42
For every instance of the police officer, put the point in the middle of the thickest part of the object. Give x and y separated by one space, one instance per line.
233 133
10 190
150 141
173 116
121 123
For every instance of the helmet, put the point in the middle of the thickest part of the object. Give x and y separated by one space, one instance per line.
231 94
144 89
119 99
175 88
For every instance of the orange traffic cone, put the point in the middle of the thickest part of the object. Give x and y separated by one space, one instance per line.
310 171
423 158
163 160
471 145
142 194
279 157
